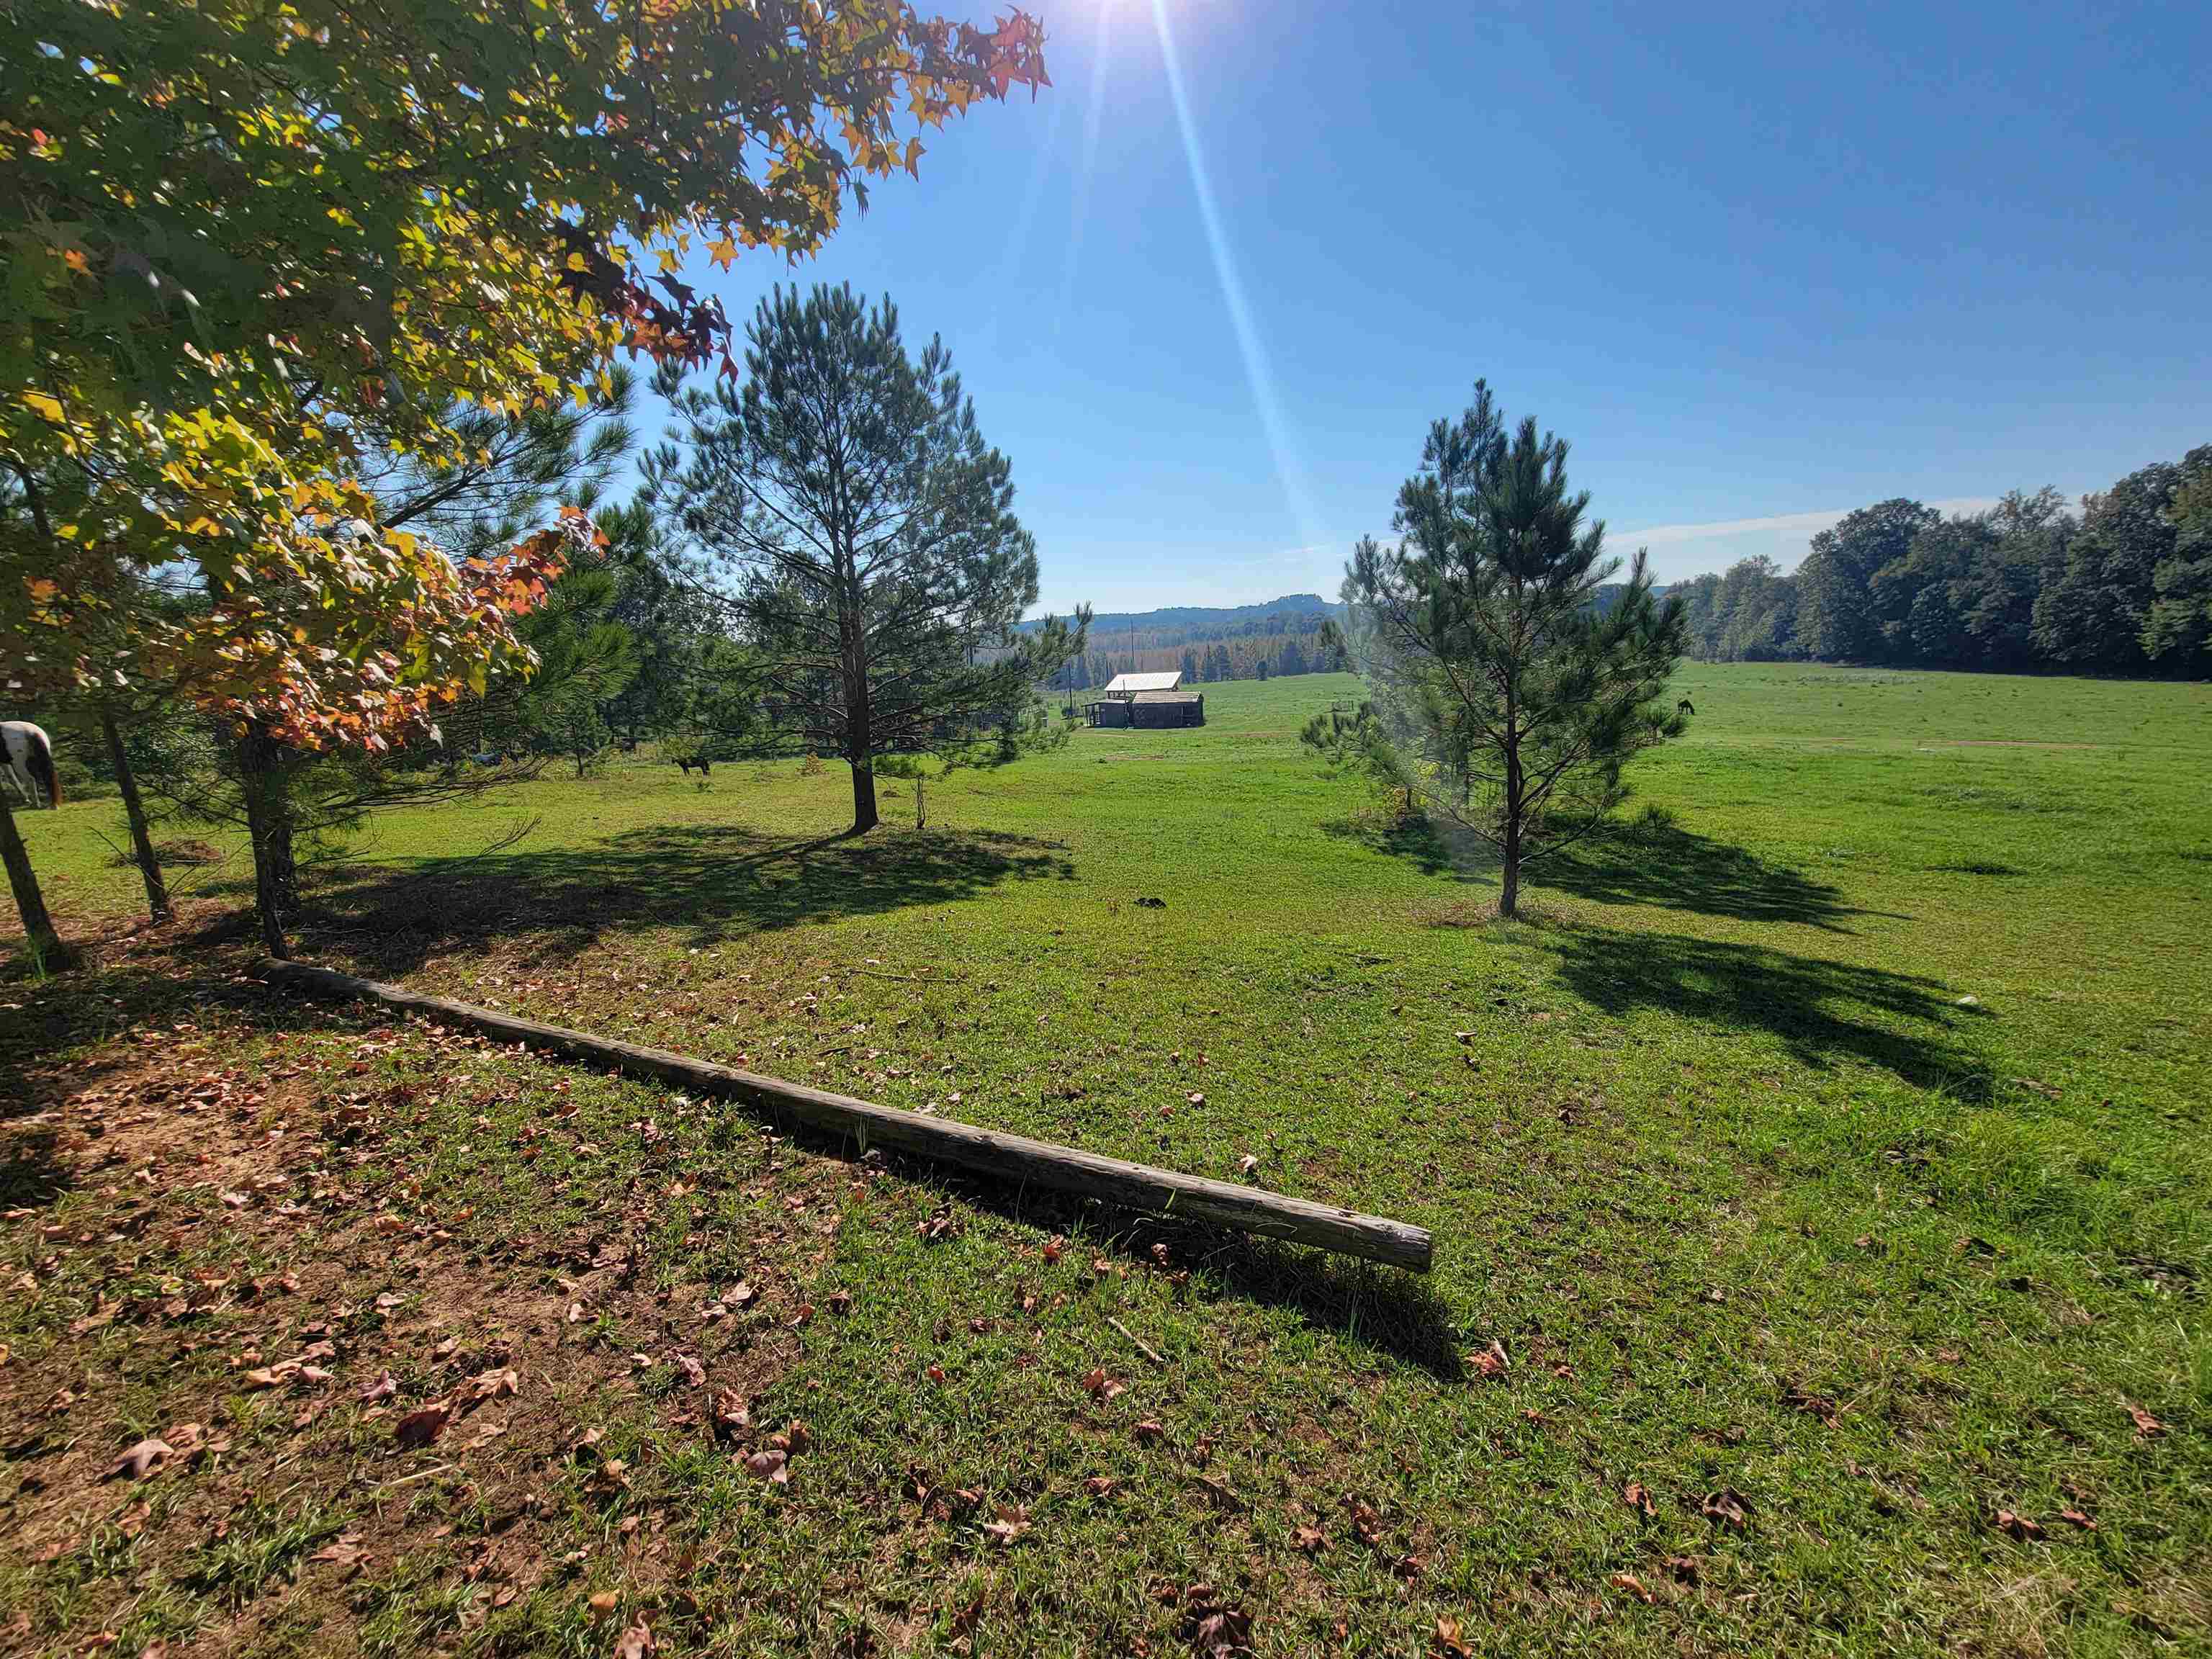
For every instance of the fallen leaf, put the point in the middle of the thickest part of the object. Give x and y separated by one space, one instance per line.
2147 1426
2018 1526
344 1551
772 1465
1101 1387
636 1643
422 1426
2076 1518
1637 1498
1013 1521
1491 1361
1727 1505
142 1459
1447 1641
1635 1586
1149 1430
493 1384
1309 1541
384 1387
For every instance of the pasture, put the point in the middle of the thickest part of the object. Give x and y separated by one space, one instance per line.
1784 1298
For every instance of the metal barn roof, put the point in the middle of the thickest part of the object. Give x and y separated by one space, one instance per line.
1124 686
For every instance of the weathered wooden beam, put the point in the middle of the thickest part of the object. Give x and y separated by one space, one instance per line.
1010 1157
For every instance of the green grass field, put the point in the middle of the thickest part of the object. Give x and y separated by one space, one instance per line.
1842 1314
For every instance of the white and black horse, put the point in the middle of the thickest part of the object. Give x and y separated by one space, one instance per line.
27 757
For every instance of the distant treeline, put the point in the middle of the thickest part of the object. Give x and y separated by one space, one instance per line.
2122 586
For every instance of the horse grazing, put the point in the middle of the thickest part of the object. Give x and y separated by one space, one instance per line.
687 762
27 755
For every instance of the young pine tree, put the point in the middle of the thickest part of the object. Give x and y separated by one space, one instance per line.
1512 700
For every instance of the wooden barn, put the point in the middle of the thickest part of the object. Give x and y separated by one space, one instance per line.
1150 702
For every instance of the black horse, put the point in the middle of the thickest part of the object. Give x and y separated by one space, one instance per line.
687 762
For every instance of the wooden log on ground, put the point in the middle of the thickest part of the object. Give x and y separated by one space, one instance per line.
1012 1157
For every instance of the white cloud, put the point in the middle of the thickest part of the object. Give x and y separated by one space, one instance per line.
1783 537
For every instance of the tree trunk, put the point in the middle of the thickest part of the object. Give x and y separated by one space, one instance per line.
860 733
47 950
920 819
864 796
142 844
1509 880
268 824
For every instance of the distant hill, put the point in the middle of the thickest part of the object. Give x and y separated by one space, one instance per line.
1207 642
1210 621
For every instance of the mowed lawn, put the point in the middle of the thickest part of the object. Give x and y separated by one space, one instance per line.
1819 1175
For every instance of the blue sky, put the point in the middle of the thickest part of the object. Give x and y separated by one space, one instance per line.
1759 267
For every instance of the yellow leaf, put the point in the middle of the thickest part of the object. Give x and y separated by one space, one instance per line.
42 405
723 252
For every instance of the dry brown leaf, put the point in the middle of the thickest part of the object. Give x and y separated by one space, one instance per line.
1635 1495
2147 1426
1728 1506
772 1465
2018 1526
142 1459
1635 1586
423 1425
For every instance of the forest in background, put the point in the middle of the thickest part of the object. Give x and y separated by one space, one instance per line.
2121 584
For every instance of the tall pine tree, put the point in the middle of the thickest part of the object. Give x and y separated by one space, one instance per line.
861 533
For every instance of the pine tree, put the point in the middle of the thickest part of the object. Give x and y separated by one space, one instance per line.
862 532
1513 702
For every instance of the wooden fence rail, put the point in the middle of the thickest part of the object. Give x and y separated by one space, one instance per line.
1010 1157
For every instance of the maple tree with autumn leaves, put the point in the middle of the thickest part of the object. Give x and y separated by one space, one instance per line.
232 235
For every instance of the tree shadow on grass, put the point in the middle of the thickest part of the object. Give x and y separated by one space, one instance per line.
1396 1312
1663 865
1434 849
1821 1010
714 882
62 1035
